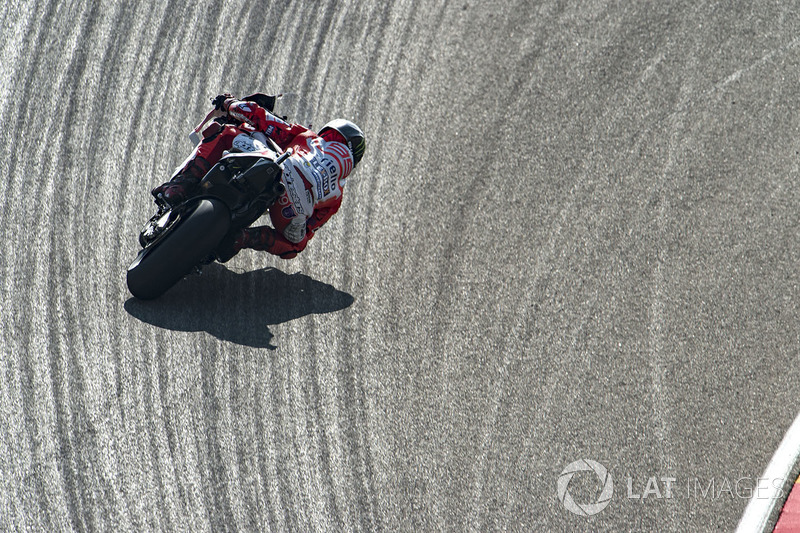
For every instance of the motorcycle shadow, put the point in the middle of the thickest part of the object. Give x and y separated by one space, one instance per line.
236 307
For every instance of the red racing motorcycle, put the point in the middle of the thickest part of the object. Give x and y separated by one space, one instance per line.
234 193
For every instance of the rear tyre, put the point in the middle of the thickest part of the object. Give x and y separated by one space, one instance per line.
193 239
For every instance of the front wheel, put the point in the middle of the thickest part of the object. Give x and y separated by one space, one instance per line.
162 265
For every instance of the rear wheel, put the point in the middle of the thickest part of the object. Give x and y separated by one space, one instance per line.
192 239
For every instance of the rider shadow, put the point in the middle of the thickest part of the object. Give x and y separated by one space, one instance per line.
239 307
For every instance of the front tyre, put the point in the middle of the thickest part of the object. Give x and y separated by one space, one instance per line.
194 238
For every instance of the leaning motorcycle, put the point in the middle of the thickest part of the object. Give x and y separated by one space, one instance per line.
180 239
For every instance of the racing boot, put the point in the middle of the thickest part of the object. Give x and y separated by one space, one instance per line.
184 183
270 240
259 238
230 245
176 190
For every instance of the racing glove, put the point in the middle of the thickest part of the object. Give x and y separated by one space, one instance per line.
220 100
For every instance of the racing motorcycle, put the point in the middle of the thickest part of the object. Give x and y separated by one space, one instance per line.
180 239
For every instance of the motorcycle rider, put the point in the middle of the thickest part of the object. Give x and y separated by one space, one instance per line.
314 175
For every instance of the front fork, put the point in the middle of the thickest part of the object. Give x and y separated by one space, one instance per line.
158 223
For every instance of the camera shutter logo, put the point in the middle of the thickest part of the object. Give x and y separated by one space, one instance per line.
585 509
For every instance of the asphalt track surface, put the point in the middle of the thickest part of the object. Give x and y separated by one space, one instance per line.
573 235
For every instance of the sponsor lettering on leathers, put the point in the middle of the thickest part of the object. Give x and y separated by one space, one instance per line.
301 201
323 165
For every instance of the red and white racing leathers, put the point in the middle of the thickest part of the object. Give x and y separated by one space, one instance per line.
314 175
